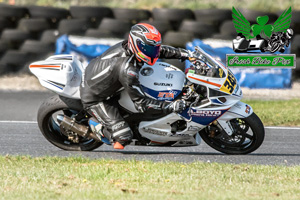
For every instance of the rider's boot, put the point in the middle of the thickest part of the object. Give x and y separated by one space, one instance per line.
115 128
98 130
121 134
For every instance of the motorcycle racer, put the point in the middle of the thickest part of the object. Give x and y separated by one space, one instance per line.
118 68
279 40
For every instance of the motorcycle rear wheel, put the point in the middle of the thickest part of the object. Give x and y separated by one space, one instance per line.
49 125
248 136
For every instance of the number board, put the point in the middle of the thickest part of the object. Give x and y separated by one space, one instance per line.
229 84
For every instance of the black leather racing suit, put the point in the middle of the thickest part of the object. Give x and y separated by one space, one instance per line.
106 74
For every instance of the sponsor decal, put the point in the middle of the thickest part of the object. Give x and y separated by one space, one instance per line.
163 133
247 109
162 64
206 113
180 135
169 76
203 117
155 132
191 71
194 128
163 84
118 126
166 95
132 73
170 68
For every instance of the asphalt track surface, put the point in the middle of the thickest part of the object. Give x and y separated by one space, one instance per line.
20 136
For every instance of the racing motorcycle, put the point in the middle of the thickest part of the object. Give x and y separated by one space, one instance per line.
214 111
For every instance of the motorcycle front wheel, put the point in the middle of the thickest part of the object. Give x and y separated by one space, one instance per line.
49 126
247 136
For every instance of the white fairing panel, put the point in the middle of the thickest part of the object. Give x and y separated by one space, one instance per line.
61 74
160 130
161 81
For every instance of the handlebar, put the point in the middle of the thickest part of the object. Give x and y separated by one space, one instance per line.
198 54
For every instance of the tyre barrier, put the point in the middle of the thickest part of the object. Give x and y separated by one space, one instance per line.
162 26
213 16
115 26
93 15
131 15
30 32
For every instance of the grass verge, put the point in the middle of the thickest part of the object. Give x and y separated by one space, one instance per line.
277 112
80 178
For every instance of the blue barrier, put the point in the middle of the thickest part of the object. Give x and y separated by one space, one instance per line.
65 46
250 77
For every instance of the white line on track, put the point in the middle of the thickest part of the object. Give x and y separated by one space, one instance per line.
20 122
267 127
282 128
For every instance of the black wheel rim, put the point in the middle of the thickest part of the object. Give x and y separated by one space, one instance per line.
240 141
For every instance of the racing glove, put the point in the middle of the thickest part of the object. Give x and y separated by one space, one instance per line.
186 54
175 106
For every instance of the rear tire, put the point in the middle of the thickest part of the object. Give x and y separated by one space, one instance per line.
243 145
50 128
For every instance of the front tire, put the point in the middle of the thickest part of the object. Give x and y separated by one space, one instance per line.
248 135
50 127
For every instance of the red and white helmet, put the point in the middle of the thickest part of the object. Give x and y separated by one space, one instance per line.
144 41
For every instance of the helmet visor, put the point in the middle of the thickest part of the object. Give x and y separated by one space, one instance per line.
149 50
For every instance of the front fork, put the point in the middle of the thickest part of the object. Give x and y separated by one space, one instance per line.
239 110
225 126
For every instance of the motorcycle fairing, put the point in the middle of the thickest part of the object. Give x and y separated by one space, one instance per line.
61 74
160 130
238 110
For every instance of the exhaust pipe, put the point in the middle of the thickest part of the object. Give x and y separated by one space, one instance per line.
68 124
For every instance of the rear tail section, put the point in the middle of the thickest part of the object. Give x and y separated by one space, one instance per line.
61 74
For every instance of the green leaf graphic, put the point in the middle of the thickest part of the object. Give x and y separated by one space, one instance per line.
283 22
241 24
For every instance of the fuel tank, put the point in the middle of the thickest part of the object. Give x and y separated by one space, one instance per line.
162 81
